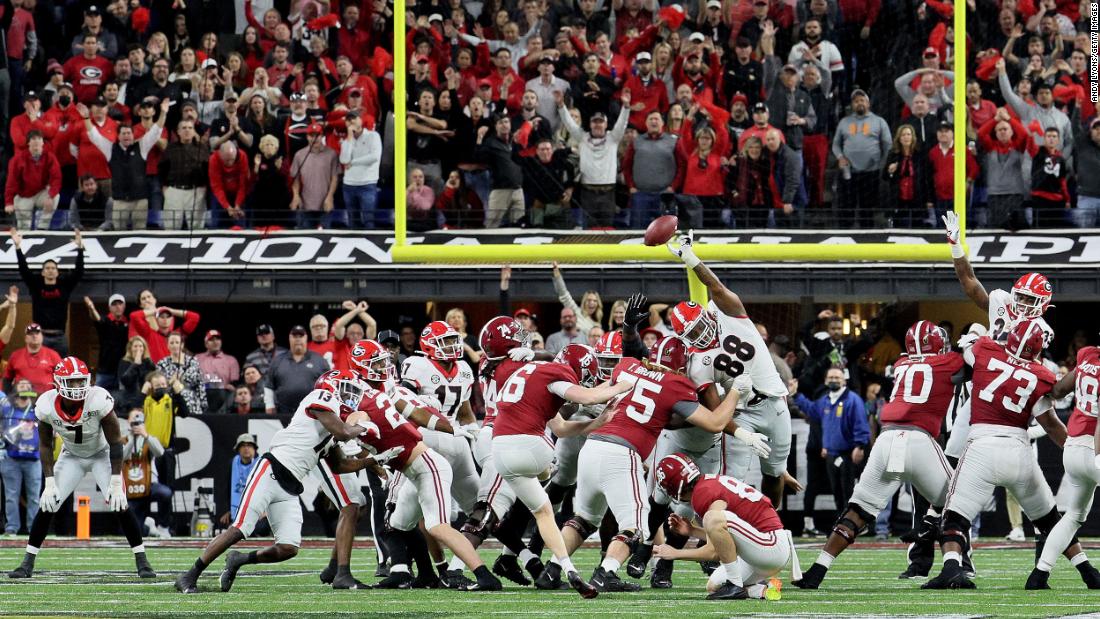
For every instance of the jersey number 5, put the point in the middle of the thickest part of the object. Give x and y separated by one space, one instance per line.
1006 372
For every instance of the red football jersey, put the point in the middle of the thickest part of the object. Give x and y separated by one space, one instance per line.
642 412
1005 389
525 402
1086 385
491 384
395 430
742 499
922 391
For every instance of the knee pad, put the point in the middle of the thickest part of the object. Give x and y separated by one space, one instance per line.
581 526
955 528
862 513
1047 522
847 528
627 536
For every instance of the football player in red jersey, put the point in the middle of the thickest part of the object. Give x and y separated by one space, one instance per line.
528 405
611 471
1010 388
1080 460
425 491
82 416
740 526
906 450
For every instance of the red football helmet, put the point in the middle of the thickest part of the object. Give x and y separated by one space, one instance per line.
72 379
345 384
925 338
502 334
1026 340
609 351
695 325
583 361
1031 295
440 341
675 473
670 352
371 360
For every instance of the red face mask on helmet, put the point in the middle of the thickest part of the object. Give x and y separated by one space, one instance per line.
925 338
345 385
670 352
609 351
440 341
676 473
72 379
583 361
1026 340
371 360
1031 295
501 335
695 325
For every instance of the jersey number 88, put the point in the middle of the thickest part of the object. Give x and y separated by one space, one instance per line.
739 353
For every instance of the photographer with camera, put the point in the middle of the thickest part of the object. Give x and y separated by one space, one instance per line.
140 474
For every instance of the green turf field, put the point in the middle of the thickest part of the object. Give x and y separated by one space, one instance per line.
99 582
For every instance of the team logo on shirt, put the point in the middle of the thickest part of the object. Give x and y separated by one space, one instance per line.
706 360
91 73
435 378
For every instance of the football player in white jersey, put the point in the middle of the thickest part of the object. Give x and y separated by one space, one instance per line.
723 334
91 442
275 483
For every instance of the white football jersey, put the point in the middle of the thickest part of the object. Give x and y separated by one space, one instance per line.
300 445
82 434
445 391
1001 318
740 349
401 392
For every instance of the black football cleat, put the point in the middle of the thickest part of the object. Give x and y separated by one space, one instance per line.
347 581
729 591
455 579
233 562
396 580
635 568
550 578
708 567
427 580
25 569
582 587
912 572
534 567
1090 576
144 570
950 579
382 571
1037 580
186 583
507 566
609 582
486 582
661 578
811 578
328 574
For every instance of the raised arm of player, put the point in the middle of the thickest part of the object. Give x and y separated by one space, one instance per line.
729 303
969 282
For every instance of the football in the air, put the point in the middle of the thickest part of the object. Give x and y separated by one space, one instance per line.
661 230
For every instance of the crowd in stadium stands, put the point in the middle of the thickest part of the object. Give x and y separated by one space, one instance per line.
1032 125
128 115
605 114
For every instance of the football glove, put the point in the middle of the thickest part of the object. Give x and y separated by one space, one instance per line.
467 432
383 457
116 498
370 429
50 501
681 248
350 449
757 441
521 354
951 224
637 309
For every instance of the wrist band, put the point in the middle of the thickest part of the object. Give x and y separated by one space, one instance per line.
432 422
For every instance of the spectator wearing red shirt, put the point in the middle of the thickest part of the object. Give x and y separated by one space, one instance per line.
701 178
33 362
22 47
166 325
347 333
31 119
942 158
228 169
506 84
89 159
647 93
979 110
354 37
34 182
760 126
322 340
89 71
